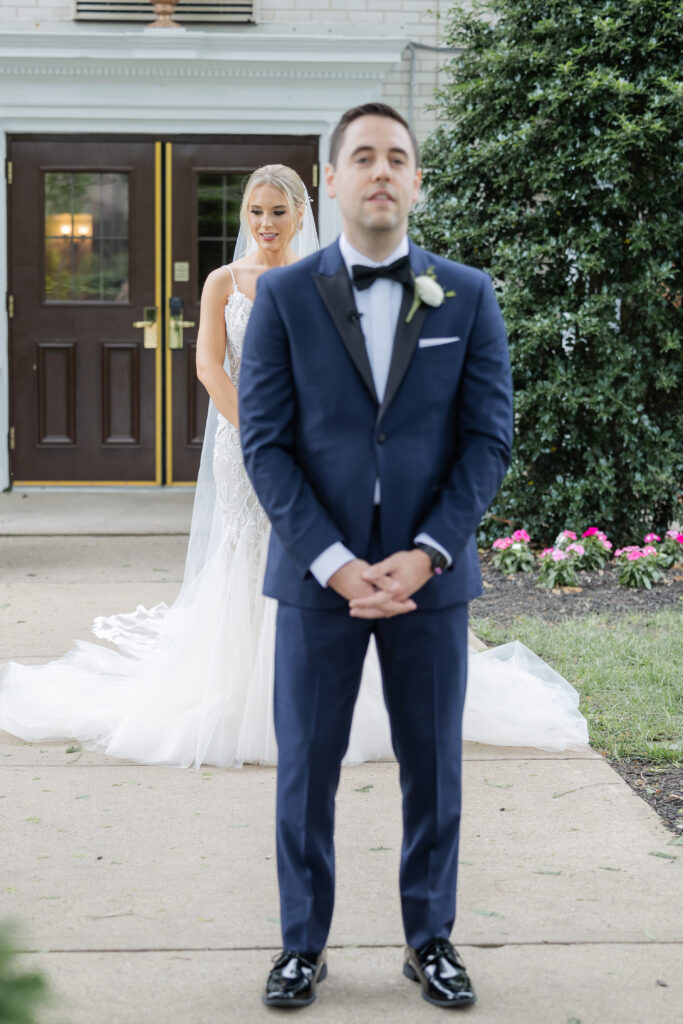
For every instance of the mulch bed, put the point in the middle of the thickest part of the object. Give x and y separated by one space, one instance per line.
508 598
661 785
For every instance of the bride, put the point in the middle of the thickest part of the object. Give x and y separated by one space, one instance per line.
192 684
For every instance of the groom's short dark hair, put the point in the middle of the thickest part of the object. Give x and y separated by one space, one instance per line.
377 109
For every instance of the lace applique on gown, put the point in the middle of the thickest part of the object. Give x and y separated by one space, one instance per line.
238 503
192 684
242 517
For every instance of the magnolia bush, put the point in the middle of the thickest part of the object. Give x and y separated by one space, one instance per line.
556 168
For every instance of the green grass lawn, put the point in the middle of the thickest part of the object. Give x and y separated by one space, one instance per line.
627 669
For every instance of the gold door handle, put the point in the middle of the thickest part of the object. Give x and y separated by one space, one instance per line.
176 323
150 327
175 339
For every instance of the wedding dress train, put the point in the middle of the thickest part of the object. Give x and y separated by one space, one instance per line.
192 684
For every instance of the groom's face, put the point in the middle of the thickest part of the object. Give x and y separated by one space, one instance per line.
375 179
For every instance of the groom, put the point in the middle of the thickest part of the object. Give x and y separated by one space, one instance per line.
376 422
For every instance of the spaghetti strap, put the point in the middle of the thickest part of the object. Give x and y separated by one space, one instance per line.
234 282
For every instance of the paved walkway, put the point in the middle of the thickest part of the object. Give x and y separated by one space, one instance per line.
149 896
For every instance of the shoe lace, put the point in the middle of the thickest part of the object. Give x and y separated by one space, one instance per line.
291 954
436 948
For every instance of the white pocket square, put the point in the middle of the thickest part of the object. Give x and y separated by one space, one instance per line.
430 342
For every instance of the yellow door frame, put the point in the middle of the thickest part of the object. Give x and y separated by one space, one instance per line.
168 262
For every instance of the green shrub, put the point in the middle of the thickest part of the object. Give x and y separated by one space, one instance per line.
21 993
556 169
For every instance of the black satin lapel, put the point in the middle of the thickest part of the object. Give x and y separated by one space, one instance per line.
337 294
405 342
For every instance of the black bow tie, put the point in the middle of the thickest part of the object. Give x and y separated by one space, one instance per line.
399 271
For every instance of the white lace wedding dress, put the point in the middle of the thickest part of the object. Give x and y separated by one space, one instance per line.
192 684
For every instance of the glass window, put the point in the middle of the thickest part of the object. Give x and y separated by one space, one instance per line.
86 236
218 220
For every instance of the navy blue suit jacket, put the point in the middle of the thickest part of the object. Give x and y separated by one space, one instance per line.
315 437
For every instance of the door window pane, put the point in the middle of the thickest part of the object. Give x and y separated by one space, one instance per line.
218 220
86 236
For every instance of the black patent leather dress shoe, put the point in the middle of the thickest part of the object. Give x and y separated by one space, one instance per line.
293 979
441 972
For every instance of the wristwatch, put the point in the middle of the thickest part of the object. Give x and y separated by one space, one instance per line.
436 557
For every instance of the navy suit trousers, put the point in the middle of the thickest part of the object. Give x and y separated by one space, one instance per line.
318 665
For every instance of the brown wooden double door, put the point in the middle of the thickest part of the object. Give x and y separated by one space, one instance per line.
110 243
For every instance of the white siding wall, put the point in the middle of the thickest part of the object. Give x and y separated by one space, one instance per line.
417 20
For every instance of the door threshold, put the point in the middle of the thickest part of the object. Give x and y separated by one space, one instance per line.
30 488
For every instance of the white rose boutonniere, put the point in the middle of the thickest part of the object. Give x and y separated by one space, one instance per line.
427 291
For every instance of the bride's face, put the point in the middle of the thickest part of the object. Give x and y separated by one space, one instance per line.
270 219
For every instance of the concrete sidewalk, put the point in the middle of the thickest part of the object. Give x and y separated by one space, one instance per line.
96 511
149 895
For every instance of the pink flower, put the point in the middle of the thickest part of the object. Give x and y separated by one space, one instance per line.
633 555
569 534
578 549
607 544
590 531
521 535
502 543
547 551
650 537
649 550
559 556
679 538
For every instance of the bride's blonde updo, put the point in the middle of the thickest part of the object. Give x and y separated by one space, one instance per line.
282 178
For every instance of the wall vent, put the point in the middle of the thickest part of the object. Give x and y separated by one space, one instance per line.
186 12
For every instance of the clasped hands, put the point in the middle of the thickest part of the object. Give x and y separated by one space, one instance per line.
384 589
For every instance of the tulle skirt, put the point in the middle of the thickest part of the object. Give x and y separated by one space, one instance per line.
192 684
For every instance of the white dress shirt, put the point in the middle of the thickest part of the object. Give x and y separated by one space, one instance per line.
379 307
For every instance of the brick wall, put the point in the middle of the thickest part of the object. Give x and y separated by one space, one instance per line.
416 20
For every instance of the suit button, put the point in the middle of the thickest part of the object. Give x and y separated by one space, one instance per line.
381 438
